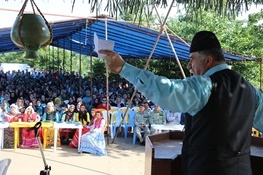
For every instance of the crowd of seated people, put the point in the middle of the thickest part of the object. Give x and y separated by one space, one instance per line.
37 89
56 96
51 94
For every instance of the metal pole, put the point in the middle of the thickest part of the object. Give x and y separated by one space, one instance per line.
80 51
64 55
53 59
107 83
91 69
71 53
260 82
49 59
58 55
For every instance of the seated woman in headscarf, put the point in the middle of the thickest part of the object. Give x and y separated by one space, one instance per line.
68 133
51 115
82 116
94 141
13 116
28 137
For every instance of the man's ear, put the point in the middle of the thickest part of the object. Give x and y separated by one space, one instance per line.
209 61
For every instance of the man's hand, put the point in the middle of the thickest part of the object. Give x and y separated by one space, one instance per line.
114 61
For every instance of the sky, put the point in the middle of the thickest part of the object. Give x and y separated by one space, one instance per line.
50 6
58 7
62 9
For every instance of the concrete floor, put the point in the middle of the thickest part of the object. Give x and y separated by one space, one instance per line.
123 158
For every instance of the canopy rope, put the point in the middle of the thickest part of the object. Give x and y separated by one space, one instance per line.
162 29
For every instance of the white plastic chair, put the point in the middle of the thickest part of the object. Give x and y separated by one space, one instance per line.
114 108
108 119
4 164
104 113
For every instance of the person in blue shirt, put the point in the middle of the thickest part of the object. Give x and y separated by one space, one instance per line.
220 107
39 108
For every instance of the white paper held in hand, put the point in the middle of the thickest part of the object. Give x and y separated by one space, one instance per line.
101 44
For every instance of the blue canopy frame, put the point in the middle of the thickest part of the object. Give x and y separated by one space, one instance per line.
131 41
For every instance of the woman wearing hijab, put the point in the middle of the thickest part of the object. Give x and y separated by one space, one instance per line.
69 116
51 115
28 137
13 116
82 116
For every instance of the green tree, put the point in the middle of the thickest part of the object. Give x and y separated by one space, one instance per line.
236 37
194 8
139 8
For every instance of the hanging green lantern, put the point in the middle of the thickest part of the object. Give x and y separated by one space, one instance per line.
31 32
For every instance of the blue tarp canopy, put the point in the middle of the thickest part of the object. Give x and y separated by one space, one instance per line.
131 41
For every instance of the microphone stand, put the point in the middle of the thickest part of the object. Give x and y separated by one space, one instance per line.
47 168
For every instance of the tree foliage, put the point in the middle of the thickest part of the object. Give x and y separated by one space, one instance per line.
236 36
140 8
144 8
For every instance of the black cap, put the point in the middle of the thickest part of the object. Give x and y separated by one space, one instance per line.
204 40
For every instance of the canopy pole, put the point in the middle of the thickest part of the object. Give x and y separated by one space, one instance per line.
71 54
58 48
107 84
260 70
90 53
64 55
53 59
80 52
48 60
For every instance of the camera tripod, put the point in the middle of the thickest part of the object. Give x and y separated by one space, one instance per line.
47 168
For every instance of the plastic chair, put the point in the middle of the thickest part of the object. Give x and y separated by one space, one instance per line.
130 124
255 132
108 119
135 137
117 115
123 109
114 108
135 108
4 164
